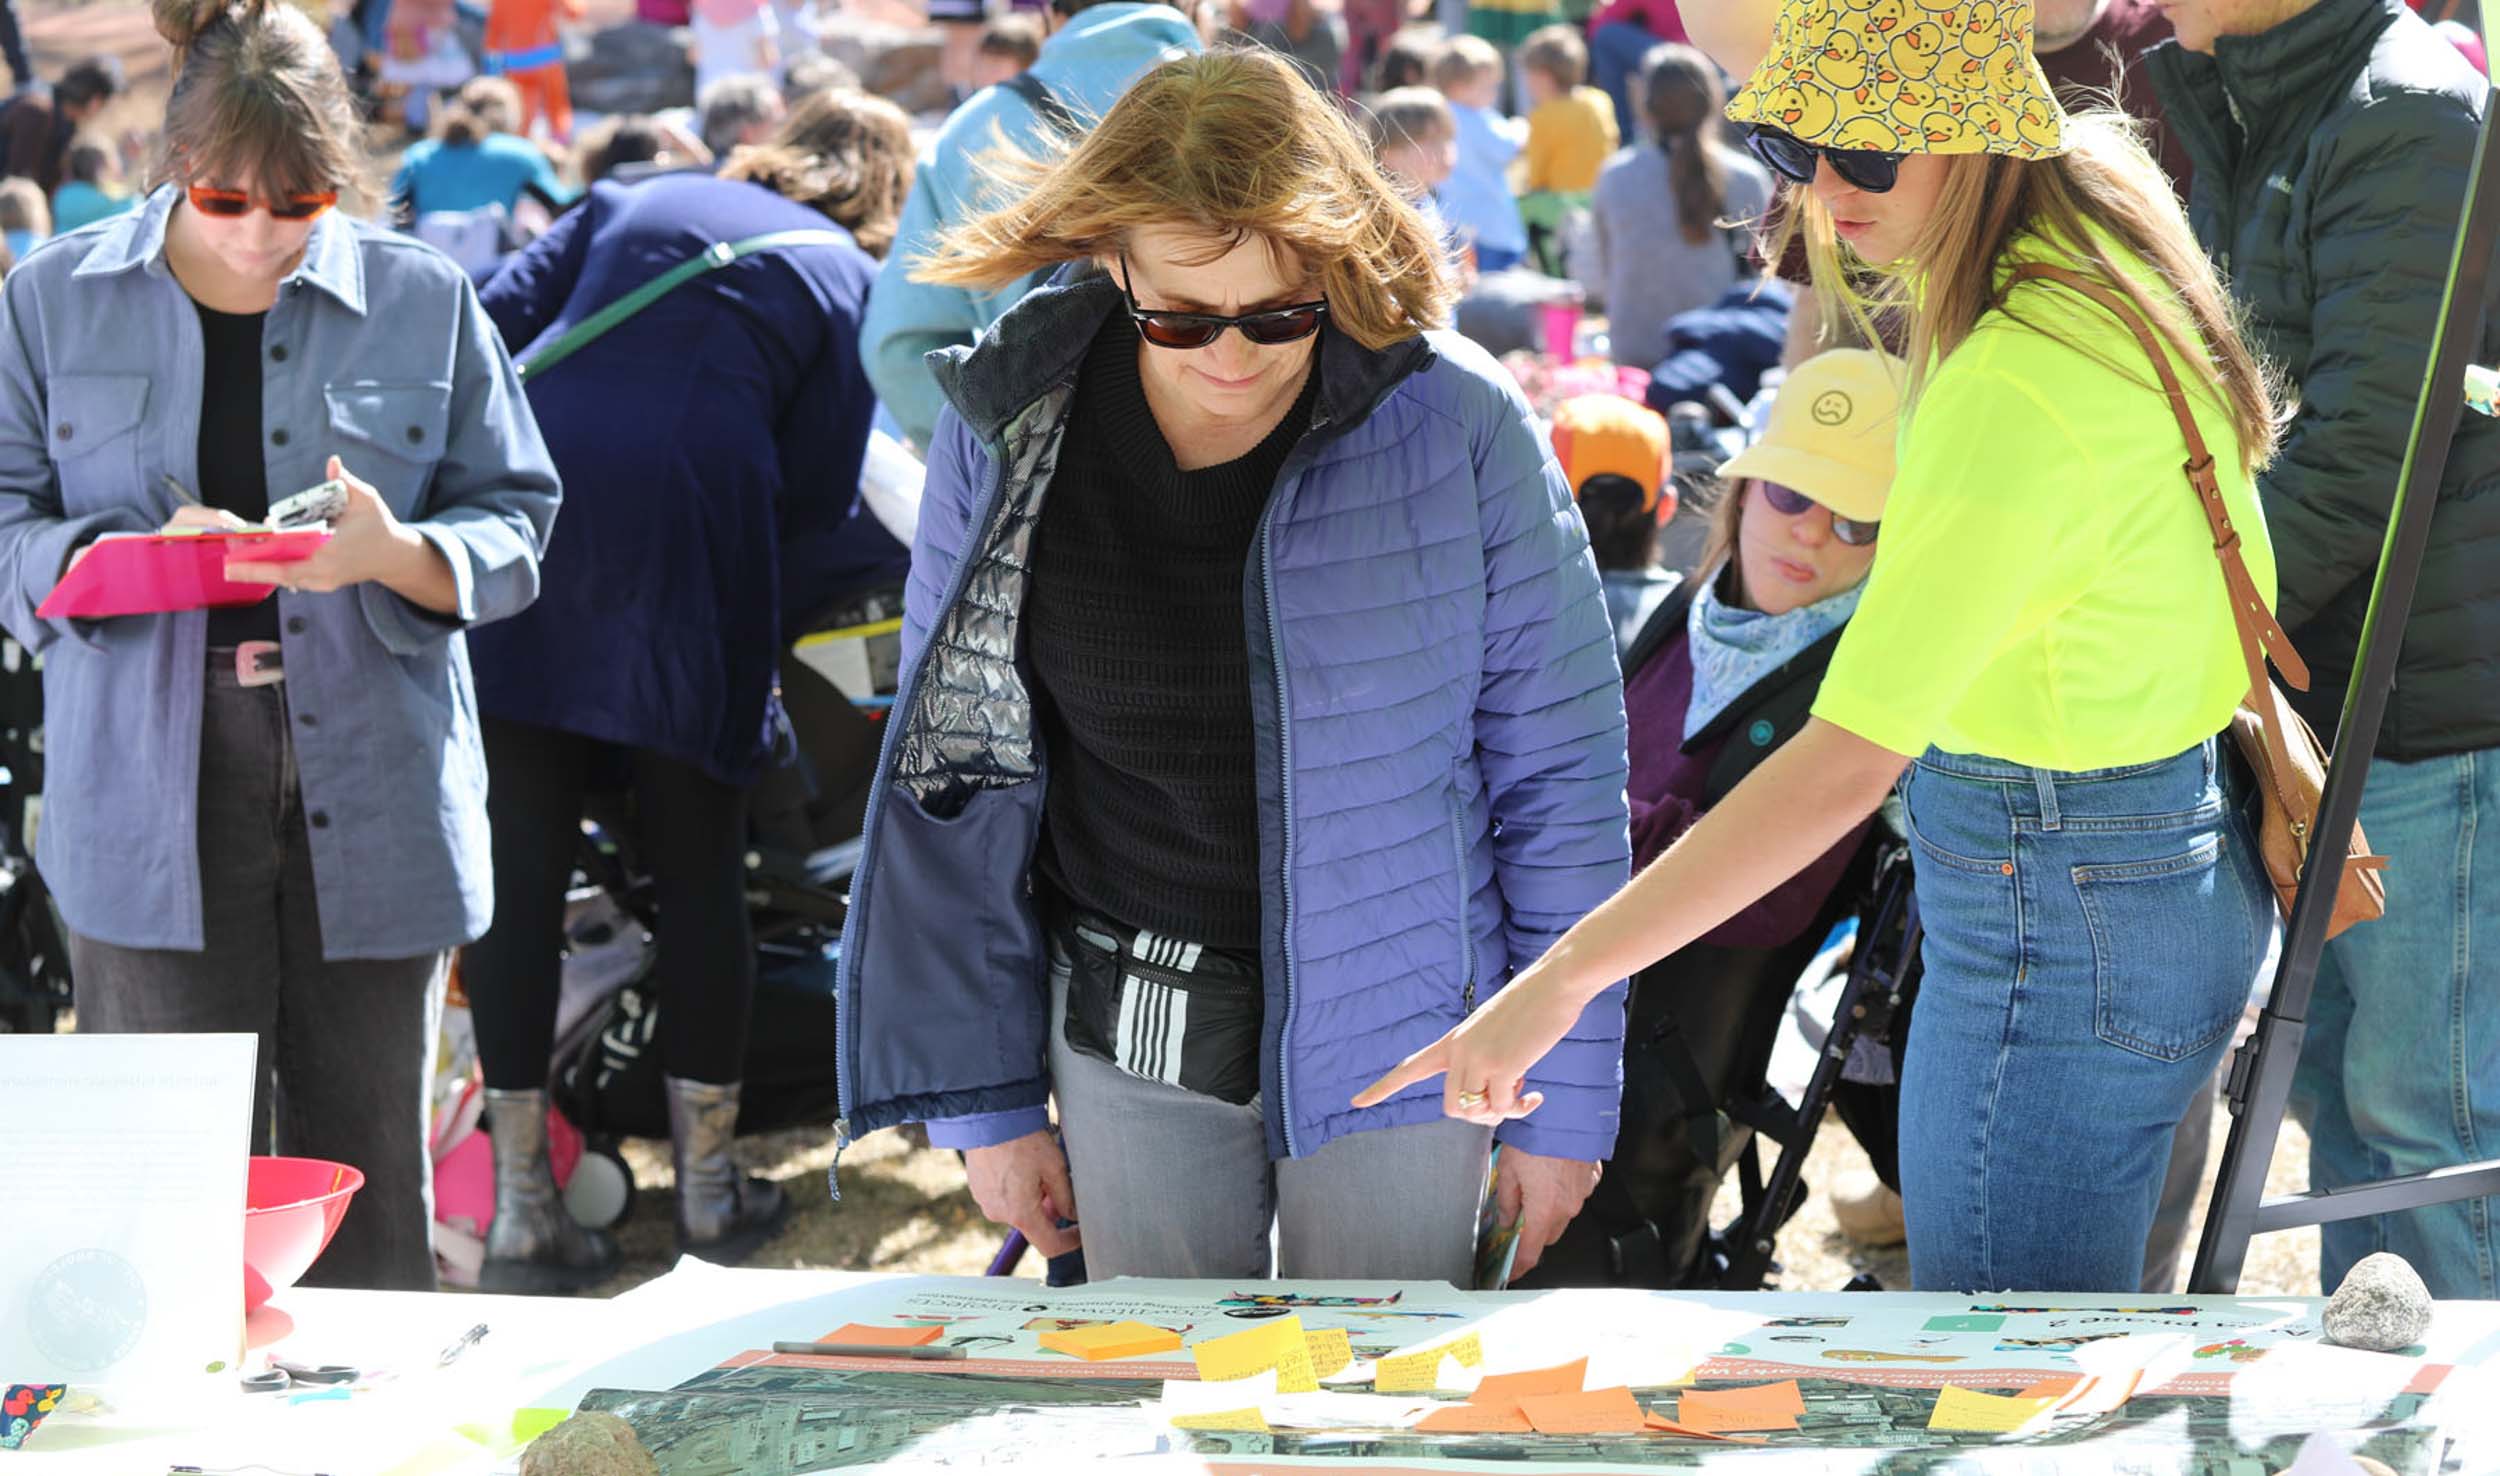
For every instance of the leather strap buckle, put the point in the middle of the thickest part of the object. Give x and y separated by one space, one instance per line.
259 664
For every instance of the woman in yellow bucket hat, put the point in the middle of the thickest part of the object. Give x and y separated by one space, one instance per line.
2041 660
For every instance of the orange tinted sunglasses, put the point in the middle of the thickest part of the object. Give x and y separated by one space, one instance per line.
234 204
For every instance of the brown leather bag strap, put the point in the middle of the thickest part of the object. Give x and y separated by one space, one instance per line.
2258 630
2260 635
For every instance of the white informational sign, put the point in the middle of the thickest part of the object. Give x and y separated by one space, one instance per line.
121 1214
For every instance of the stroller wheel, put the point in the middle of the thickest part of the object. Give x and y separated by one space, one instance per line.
601 1192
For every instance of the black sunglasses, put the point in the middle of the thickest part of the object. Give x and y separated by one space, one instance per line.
1197 330
1789 502
1792 158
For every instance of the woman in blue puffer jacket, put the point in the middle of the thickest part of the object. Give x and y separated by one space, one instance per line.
1260 714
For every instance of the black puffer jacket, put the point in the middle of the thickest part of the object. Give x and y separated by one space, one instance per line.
2331 156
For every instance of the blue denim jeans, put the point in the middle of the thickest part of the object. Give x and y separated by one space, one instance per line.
2401 1069
1615 52
2091 938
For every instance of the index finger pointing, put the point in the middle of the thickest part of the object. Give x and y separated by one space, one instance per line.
1424 1065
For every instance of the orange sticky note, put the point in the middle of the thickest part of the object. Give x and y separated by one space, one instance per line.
1476 1419
2057 1388
1112 1340
1665 1426
1603 1412
884 1337
1563 1378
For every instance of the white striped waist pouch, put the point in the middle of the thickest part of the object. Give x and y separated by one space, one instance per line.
1161 1008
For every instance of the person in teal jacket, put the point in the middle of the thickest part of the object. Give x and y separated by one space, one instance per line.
1094 52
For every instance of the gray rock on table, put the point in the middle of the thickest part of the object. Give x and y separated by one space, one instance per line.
591 1444
2382 1306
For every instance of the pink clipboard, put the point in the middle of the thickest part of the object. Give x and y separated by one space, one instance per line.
176 571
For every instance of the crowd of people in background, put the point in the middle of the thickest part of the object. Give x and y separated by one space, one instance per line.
1351 250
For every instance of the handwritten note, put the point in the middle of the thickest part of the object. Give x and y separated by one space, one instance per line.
1112 1340
1331 1353
1228 1404
1419 1371
1958 1408
1279 1345
1603 1412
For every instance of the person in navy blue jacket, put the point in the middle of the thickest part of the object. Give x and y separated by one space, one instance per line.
717 436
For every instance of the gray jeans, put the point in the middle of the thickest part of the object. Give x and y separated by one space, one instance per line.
346 1048
1171 1183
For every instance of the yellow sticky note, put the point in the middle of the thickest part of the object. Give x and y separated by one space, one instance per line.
1961 1409
1409 1373
1331 1352
1419 1370
1233 1419
1279 1345
1112 1340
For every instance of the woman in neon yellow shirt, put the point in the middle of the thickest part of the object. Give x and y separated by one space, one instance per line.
2043 657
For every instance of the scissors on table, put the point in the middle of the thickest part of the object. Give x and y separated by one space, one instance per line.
282 1375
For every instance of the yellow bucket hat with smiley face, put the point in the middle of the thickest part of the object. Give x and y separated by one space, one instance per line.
1906 77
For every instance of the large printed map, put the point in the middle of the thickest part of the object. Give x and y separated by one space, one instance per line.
2219 1386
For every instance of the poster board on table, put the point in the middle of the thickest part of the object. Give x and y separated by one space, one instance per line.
121 1245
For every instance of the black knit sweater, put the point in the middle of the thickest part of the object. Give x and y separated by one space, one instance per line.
1139 643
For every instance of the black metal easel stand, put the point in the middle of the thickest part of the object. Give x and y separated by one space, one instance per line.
2261 1071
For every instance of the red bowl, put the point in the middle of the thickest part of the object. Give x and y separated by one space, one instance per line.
290 1211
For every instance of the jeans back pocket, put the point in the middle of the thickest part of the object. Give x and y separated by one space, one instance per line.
2173 952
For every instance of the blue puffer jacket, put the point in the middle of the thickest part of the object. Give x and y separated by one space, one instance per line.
1440 731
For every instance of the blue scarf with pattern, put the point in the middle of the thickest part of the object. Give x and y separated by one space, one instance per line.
1733 648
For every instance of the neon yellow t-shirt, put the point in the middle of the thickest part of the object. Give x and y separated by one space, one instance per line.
2045 590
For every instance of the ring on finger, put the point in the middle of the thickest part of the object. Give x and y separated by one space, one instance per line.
1470 1099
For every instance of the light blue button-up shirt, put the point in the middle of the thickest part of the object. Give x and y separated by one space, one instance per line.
375 351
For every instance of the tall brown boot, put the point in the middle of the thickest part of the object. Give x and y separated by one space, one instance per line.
722 1215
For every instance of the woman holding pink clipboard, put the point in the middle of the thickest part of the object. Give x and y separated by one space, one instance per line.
270 817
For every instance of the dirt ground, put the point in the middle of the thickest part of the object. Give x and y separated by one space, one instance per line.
907 1209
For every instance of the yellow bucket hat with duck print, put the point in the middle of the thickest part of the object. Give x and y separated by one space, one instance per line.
1906 77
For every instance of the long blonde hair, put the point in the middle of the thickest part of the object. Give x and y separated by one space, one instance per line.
2105 191
1233 143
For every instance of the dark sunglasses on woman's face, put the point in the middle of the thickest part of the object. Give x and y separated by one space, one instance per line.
1792 158
1197 330
235 204
1790 503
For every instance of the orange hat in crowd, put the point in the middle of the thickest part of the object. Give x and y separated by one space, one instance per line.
1610 436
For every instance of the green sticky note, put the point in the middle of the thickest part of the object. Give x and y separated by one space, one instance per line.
1965 1322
